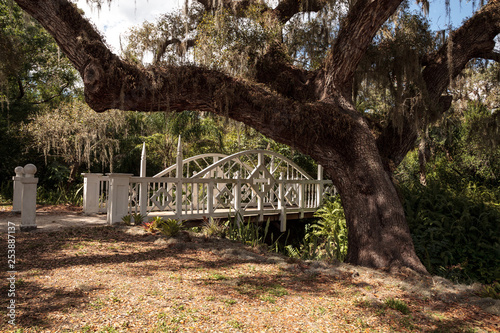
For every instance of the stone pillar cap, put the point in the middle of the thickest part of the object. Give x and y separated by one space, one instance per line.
29 170
19 171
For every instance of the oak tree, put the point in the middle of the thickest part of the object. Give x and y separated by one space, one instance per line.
309 107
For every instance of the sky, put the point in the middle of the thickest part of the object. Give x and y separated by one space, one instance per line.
459 10
116 19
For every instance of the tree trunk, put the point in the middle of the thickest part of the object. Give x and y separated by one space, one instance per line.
378 234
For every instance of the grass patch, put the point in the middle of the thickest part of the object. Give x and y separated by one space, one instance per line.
218 277
398 305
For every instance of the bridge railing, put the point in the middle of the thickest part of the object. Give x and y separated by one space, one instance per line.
196 198
254 183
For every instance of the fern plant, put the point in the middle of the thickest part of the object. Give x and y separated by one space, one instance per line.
331 229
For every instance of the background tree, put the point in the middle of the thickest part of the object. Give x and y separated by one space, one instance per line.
33 74
311 109
77 135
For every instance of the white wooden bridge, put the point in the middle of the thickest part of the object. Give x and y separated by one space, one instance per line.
256 184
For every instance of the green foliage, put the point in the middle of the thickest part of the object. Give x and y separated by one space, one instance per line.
134 219
398 305
168 227
61 194
492 290
77 134
391 69
326 238
213 228
127 219
251 233
248 233
138 218
233 44
33 74
454 219
456 232
332 228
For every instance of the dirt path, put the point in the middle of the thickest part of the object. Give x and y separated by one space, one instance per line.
77 275
51 218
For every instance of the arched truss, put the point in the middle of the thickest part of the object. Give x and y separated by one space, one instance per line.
246 164
244 181
192 165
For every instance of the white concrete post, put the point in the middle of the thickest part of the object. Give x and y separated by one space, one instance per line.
178 186
301 199
237 199
319 187
210 196
17 200
260 198
143 189
91 184
28 210
118 197
281 202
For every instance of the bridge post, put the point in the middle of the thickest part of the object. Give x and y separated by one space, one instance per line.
260 199
28 211
178 184
143 189
91 184
319 187
281 202
237 198
118 196
301 200
210 196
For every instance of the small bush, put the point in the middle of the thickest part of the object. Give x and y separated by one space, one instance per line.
213 228
127 219
331 229
398 305
492 290
327 238
138 218
168 227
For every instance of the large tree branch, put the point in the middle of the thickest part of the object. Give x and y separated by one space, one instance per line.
475 39
75 35
356 33
495 56
111 83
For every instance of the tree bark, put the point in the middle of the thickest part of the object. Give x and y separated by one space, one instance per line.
378 235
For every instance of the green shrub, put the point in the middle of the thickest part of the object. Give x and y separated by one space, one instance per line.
127 219
251 233
213 228
168 227
398 305
456 233
326 238
138 218
492 290
331 228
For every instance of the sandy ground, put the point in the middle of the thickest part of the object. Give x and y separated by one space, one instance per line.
51 218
